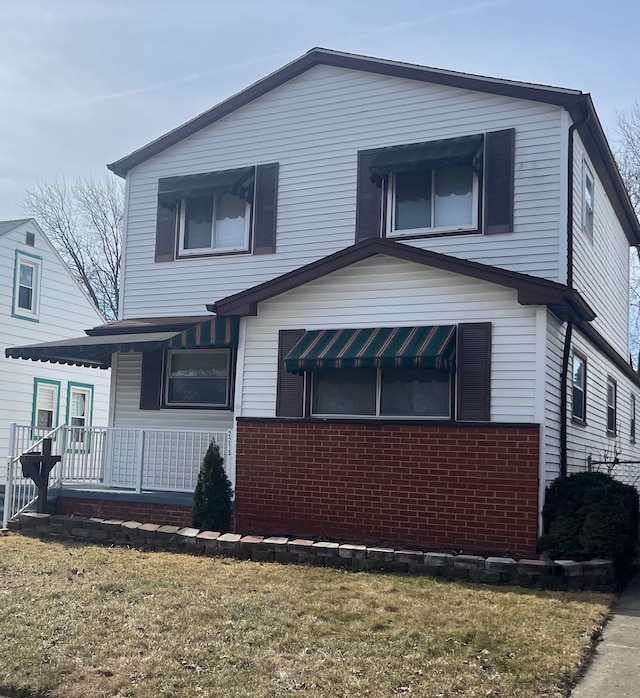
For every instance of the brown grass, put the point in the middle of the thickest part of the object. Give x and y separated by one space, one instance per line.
90 621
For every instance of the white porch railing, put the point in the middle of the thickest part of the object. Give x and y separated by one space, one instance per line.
133 459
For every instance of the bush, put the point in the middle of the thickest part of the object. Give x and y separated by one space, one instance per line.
590 515
212 501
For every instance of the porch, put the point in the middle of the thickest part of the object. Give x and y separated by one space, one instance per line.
158 467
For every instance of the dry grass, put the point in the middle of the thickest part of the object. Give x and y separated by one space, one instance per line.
91 621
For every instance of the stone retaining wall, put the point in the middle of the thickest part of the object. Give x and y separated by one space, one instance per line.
563 575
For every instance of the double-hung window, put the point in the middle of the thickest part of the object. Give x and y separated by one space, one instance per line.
197 378
79 409
587 200
579 389
612 390
26 291
46 395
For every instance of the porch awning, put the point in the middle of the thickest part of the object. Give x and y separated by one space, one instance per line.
90 351
217 331
96 350
404 347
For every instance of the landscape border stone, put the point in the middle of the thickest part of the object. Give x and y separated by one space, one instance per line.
561 575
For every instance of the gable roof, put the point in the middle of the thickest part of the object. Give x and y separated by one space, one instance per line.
577 103
6 226
565 302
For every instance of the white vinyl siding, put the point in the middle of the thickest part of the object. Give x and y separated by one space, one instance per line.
127 374
601 264
384 292
314 126
65 311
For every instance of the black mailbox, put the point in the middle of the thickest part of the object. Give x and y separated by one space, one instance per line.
37 466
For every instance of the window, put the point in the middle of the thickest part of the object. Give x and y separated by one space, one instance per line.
26 288
455 185
431 200
45 404
222 212
632 425
79 409
215 223
579 394
388 392
198 378
587 201
611 406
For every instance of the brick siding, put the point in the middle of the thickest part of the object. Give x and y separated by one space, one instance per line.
170 514
472 488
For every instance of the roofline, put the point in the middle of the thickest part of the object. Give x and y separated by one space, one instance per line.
322 56
577 103
562 300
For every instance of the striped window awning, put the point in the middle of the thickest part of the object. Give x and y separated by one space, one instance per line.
218 331
403 347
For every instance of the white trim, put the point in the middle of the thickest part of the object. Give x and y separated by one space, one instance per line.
587 176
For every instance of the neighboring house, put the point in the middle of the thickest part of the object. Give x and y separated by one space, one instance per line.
420 285
41 301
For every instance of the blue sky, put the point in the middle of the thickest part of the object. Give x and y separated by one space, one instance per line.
85 82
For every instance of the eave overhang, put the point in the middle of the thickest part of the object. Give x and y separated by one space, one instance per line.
563 301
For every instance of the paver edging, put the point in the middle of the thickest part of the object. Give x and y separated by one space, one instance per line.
595 575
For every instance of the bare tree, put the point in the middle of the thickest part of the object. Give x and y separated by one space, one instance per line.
627 152
84 221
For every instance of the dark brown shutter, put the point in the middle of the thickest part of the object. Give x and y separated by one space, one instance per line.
290 392
368 199
265 208
151 383
473 373
166 232
498 181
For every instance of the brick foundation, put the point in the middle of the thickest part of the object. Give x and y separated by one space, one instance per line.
432 487
172 514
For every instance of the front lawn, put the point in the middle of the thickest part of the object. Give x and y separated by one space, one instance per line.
79 621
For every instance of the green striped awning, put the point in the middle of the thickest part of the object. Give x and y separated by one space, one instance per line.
404 347
218 331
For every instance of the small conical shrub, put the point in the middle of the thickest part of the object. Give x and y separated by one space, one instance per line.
212 501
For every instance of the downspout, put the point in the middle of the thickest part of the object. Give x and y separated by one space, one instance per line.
566 353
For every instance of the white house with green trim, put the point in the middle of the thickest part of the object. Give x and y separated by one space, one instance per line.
40 301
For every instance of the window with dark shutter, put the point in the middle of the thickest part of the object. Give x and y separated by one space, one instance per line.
498 181
290 390
151 383
265 208
474 372
368 199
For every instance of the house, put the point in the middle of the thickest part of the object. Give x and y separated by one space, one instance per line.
41 301
418 287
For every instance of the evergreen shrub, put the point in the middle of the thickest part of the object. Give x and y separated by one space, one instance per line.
212 501
591 515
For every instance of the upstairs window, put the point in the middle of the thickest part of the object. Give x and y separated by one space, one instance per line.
217 213
612 390
26 291
455 185
587 201
432 200
215 223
